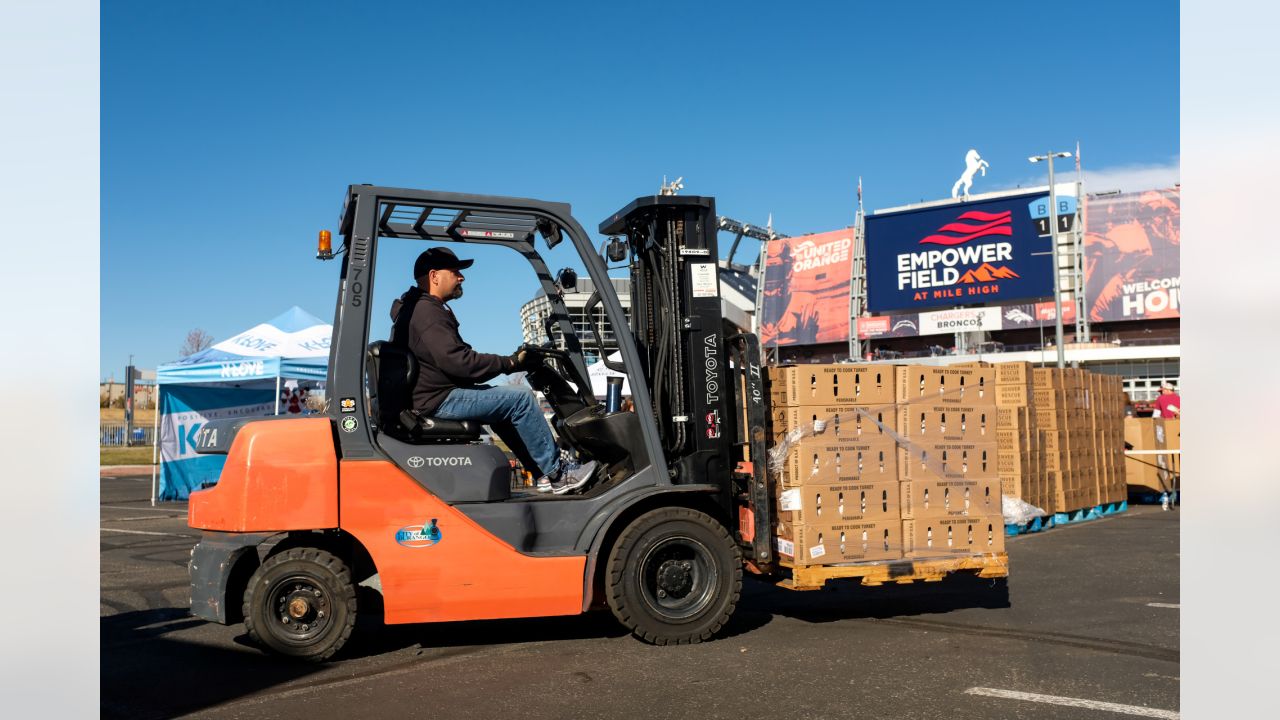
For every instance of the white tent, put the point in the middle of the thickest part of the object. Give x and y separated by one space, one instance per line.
238 377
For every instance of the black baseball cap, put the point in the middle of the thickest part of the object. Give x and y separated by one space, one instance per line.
438 258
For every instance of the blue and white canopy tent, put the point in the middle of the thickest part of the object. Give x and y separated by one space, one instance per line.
238 377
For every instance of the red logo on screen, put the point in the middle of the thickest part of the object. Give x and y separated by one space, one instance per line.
986 273
955 233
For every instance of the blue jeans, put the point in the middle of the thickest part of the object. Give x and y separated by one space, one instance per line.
516 418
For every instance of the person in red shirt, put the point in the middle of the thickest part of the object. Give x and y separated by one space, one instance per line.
1169 404
295 403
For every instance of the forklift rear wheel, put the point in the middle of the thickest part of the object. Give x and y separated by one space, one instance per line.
674 576
301 603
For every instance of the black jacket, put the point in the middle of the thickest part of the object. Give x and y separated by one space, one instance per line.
445 362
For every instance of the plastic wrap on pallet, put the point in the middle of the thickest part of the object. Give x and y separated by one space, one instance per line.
838 506
938 463
818 429
1020 512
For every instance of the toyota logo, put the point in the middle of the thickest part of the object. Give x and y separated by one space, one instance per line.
416 462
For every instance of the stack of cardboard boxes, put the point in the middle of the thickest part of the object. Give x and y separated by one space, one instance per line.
1022 456
948 460
1108 421
874 463
1150 473
1062 446
835 464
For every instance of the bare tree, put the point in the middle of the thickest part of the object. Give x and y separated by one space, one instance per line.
197 340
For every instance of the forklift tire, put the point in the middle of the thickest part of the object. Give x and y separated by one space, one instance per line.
673 577
301 603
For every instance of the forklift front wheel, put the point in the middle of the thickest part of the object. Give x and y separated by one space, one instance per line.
674 576
301 603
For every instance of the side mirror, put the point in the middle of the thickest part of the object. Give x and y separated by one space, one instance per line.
567 279
617 251
550 232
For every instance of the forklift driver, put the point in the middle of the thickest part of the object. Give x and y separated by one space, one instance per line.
450 372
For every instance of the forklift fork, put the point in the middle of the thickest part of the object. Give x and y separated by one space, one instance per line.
751 481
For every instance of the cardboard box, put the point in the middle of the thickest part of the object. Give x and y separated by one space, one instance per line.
1014 373
840 384
838 463
838 422
1049 397
1011 439
950 498
1074 501
816 504
1019 418
1146 473
952 537
826 544
1051 418
948 461
1043 377
1013 395
921 422
1019 486
1012 462
1088 489
1056 443
949 385
1054 493
1009 416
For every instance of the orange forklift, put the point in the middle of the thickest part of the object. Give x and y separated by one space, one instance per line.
306 509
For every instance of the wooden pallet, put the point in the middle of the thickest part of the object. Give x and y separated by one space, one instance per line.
813 577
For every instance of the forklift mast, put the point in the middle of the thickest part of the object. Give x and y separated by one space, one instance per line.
710 416
677 324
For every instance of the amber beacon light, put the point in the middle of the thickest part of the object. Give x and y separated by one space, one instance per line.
324 246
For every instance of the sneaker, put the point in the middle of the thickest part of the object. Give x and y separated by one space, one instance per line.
544 484
573 476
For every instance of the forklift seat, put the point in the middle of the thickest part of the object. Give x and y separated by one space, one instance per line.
394 372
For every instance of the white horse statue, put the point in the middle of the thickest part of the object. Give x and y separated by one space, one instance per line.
972 164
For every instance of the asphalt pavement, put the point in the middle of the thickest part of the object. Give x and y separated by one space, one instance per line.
1086 627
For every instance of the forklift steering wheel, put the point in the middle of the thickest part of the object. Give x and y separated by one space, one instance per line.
550 378
540 353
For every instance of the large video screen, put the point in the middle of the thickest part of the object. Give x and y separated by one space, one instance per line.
986 252
1132 256
806 289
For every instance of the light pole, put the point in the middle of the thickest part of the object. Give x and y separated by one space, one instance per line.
1053 236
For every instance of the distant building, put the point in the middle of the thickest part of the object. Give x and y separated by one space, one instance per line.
533 316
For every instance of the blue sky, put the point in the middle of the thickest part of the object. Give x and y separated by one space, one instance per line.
230 131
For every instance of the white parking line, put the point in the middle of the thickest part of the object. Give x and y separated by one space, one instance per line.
174 511
1175 606
1075 702
145 532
